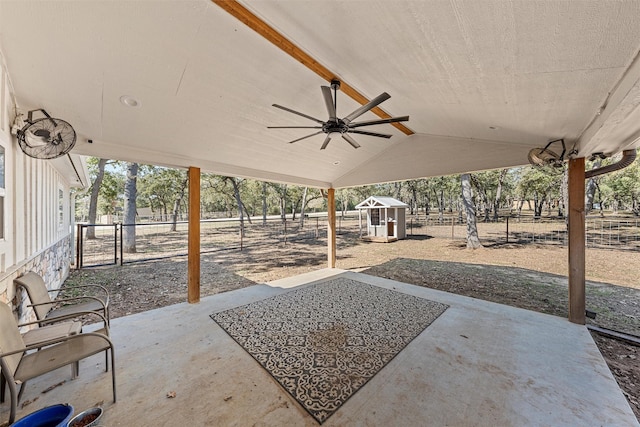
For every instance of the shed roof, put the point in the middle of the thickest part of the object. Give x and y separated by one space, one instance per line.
381 202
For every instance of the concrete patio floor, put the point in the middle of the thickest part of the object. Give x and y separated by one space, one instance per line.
479 363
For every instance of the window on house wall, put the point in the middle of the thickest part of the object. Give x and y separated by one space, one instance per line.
375 216
60 207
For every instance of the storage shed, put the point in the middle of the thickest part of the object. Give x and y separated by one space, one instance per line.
385 219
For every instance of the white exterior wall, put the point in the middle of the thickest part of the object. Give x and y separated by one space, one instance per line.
401 224
36 232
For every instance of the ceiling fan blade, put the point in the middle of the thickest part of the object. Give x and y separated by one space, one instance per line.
328 100
305 137
366 107
379 135
326 142
294 127
350 140
379 122
298 113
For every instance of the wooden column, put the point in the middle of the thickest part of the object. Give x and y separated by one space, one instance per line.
193 273
576 242
331 227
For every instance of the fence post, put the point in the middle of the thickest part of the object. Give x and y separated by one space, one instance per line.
411 226
452 227
507 229
285 231
79 247
121 245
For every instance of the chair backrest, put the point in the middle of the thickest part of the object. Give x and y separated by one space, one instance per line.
37 291
10 339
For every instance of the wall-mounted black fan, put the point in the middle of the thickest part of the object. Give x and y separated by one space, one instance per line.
344 126
46 137
545 157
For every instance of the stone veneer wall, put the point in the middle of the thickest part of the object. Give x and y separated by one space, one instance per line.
53 264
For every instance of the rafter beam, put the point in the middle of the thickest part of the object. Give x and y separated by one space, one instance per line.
265 30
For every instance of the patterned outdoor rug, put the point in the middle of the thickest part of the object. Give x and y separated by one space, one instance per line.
323 342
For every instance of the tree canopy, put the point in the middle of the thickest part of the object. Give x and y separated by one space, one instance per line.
161 193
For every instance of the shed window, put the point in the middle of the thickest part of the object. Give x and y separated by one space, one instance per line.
375 216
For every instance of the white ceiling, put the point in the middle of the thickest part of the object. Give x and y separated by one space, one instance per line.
482 81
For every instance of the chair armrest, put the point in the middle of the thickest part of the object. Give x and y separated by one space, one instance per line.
67 318
55 301
67 338
56 341
100 287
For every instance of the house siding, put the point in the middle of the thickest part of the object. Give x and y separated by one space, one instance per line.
35 213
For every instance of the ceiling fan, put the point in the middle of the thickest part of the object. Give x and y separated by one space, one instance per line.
343 127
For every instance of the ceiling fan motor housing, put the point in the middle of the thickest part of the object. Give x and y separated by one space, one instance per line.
337 126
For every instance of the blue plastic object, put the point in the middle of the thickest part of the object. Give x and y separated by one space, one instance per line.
51 416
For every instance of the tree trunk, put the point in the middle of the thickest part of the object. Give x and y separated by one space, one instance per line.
536 214
473 242
129 217
264 203
176 205
537 209
590 192
283 202
304 205
236 195
483 197
496 202
441 206
93 200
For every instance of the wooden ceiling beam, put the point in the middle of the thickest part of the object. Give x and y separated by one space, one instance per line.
284 44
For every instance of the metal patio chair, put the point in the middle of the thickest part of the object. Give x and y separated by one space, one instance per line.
19 364
48 309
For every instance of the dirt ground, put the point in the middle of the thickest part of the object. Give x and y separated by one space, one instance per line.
527 276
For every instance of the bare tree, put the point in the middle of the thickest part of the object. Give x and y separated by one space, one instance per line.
177 202
129 216
496 202
303 207
93 200
473 241
264 203
590 192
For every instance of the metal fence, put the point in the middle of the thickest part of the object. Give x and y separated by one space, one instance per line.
157 240
600 232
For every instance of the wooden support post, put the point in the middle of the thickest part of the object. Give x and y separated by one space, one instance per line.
193 273
331 227
577 303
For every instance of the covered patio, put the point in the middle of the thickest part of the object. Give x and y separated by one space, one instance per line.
192 84
479 363
195 84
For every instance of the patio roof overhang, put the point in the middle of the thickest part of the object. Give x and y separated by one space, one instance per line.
192 83
482 82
